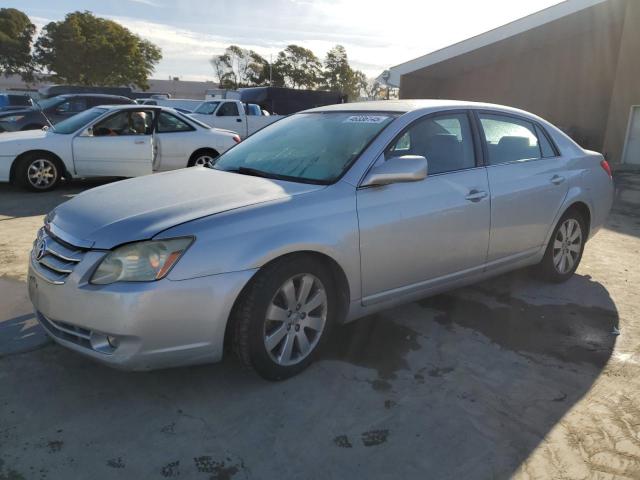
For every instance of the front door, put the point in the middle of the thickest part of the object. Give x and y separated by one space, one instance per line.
529 182
120 146
228 117
416 234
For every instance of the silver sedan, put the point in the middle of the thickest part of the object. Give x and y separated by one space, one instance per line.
320 218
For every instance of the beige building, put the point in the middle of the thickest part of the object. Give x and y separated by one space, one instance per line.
577 64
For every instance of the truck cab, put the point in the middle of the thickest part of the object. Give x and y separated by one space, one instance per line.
233 115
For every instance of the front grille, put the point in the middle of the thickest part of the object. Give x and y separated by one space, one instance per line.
66 331
53 258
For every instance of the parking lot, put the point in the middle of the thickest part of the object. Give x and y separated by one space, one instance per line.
511 377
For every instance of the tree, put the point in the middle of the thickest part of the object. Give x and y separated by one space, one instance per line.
238 67
340 77
16 35
87 50
299 67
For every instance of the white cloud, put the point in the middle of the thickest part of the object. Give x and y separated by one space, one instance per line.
376 35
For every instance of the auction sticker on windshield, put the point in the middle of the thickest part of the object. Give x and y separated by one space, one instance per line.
365 119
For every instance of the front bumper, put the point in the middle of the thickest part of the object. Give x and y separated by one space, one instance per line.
156 324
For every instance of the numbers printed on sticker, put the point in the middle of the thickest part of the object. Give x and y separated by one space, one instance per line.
365 119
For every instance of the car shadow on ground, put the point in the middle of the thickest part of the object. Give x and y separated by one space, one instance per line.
461 385
16 202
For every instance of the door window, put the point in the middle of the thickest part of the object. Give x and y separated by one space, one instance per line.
168 123
126 122
444 140
74 105
228 109
545 144
509 139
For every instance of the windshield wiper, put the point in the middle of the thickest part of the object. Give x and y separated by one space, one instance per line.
254 172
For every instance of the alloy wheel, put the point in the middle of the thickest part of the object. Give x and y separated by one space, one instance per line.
295 319
42 173
567 246
205 161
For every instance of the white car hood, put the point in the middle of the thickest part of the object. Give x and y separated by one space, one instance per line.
140 208
14 143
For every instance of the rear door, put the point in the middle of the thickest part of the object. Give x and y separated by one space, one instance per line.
417 234
528 180
175 141
120 145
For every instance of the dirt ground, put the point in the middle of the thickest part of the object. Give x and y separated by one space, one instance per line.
508 378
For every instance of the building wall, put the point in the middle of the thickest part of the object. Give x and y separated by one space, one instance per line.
626 90
564 71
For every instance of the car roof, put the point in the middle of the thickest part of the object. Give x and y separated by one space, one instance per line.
404 106
106 95
136 106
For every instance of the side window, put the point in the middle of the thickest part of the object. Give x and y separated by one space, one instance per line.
74 105
126 122
545 145
444 140
509 139
228 109
170 123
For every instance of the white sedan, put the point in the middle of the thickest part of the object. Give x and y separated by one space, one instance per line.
110 141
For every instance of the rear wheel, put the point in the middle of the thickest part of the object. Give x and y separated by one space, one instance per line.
39 172
565 248
203 158
283 317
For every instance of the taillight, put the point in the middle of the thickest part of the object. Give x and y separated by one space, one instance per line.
606 167
236 138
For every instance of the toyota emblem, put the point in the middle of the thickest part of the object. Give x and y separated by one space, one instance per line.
41 248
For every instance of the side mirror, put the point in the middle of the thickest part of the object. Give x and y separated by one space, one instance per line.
408 168
88 132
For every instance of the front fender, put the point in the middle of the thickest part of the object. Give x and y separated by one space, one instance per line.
323 221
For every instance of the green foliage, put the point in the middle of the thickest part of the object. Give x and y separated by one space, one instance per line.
295 67
340 77
238 67
299 67
87 50
16 35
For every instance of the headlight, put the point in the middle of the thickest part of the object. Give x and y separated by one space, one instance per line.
12 118
141 261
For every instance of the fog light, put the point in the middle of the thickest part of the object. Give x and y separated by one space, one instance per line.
113 341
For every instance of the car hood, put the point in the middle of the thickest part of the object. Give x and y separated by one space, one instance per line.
13 143
140 208
21 111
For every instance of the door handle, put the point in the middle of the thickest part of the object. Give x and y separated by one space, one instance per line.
476 195
139 142
557 179
238 120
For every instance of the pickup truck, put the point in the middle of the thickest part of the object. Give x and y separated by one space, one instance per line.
233 115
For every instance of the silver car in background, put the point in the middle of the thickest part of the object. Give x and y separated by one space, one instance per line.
321 218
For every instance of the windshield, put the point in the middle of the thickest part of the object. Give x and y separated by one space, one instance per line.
190 119
78 121
50 102
207 108
307 147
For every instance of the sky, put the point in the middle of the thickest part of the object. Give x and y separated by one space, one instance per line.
376 35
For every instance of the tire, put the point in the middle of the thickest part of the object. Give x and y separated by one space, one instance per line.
38 172
204 158
275 347
563 255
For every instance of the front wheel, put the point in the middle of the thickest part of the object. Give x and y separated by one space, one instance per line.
283 317
39 172
565 248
